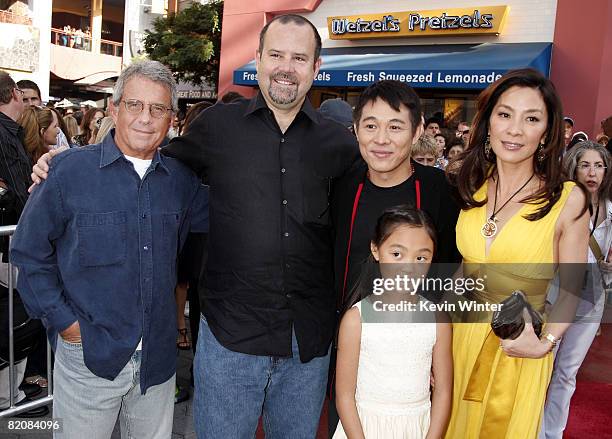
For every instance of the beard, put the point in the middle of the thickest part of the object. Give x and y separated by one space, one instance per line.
283 94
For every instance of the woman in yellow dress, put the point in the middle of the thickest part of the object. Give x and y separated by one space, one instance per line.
517 209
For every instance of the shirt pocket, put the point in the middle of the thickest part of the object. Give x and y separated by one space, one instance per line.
102 238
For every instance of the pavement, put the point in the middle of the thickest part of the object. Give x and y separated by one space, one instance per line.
183 420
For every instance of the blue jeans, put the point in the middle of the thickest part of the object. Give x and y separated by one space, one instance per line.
89 405
233 389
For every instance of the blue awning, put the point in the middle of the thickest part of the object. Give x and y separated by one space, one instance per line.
457 66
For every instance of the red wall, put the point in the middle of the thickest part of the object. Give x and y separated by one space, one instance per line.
242 21
582 61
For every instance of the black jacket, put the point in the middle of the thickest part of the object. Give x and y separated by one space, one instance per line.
436 200
15 169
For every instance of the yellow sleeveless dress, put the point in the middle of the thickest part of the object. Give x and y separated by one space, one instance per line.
496 396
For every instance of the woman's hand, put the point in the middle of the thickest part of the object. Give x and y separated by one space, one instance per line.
526 345
605 267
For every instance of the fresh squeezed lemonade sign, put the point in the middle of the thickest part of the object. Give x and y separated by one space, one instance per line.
479 20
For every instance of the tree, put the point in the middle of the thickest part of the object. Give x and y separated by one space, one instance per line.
189 42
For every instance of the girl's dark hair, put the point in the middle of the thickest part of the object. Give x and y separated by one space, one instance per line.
388 222
476 167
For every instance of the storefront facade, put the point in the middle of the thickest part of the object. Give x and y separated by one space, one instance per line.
448 51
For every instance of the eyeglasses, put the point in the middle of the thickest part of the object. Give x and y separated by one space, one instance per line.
135 106
465 132
588 166
20 91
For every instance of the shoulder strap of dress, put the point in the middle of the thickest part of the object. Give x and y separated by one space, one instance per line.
358 306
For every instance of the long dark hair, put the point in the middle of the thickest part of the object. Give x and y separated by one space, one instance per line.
476 167
89 115
388 222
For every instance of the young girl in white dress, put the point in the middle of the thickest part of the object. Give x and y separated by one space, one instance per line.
385 358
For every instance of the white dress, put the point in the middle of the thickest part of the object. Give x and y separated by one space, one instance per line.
393 378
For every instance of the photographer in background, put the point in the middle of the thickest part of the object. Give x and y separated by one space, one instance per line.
14 182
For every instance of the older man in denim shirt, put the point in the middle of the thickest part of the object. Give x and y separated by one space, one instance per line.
96 249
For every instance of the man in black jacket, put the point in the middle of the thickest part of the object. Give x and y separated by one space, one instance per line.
387 122
15 171
15 166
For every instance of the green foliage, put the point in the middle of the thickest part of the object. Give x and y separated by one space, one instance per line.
189 42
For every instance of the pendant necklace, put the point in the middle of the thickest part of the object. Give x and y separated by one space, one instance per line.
489 228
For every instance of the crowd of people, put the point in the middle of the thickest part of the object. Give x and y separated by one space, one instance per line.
274 217
75 38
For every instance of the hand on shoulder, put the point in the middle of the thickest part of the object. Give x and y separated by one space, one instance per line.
41 167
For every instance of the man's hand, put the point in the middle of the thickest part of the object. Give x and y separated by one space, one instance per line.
72 334
40 169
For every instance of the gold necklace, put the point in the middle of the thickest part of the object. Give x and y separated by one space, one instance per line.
489 228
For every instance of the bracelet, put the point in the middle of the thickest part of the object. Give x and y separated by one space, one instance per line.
551 338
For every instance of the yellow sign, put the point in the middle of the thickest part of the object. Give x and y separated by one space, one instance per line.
478 20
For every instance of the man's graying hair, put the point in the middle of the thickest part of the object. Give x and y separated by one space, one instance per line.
151 70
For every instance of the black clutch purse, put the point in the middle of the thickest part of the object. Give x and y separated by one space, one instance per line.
509 321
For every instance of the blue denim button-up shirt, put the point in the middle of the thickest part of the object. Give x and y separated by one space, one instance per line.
99 245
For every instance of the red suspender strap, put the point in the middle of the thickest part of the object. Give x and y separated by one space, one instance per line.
417 185
348 250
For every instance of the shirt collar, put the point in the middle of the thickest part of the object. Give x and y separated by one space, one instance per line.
608 218
10 124
110 153
258 103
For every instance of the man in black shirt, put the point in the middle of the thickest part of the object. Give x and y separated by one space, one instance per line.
387 122
268 300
